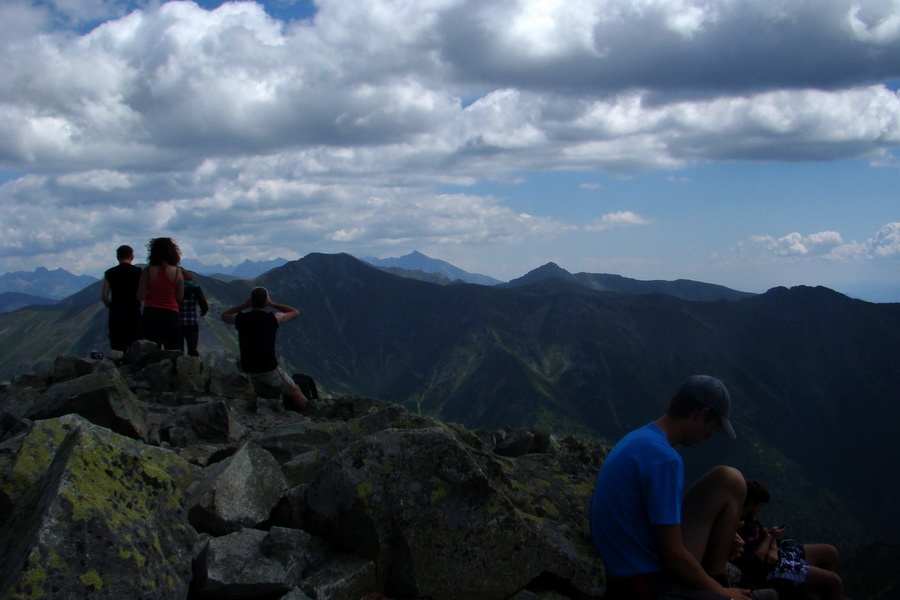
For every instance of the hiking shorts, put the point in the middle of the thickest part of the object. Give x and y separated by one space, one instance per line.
655 586
276 379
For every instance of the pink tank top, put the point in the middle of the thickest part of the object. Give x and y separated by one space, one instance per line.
161 291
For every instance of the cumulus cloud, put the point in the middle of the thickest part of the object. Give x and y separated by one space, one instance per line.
342 131
826 245
624 218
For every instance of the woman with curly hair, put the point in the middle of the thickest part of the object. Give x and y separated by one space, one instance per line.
161 289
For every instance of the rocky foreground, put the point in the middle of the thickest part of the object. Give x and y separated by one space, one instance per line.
163 477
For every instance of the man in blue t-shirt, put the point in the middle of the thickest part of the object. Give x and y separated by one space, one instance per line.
655 540
256 339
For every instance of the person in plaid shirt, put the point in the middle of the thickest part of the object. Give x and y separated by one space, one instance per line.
187 313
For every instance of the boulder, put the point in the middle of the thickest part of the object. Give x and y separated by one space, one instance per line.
251 564
362 500
421 507
342 577
102 398
191 375
238 492
70 367
210 421
95 514
288 441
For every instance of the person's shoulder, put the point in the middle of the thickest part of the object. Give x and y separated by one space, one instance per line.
646 432
649 439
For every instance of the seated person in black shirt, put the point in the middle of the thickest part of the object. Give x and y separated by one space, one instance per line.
256 338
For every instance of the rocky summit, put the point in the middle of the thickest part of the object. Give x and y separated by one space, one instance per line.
159 476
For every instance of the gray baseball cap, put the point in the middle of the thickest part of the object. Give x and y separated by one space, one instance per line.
711 392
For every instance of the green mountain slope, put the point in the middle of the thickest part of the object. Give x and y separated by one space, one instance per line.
813 373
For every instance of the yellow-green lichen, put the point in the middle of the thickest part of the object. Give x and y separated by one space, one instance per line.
32 580
36 454
56 560
92 580
438 495
139 559
364 489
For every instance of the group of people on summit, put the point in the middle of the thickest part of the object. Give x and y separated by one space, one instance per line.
170 296
657 541
173 303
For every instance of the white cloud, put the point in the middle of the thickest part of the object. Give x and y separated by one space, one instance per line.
886 243
825 245
102 180
624 218
341 132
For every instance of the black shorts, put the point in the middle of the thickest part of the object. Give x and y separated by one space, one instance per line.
655 586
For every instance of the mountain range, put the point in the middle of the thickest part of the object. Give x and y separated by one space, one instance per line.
44 283
813 373
45 286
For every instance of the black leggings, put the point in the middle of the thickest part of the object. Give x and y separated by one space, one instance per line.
161 326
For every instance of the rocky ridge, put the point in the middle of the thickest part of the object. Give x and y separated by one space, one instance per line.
163 477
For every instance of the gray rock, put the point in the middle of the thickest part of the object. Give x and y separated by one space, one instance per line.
212 421
238 566
287 441
238 492
344 577
304 467
516 443
102 398
364 500
191 375
160 375
95 514
417 503
18 400
70 367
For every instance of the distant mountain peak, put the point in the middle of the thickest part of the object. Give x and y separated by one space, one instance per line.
604 282
551 270
416 261
54 284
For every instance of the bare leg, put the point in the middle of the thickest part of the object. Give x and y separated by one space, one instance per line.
710 516
827 584
297 398
822 578
824 556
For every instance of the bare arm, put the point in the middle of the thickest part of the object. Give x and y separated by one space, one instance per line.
228 315
202 303
179 285
104 293
285 313
679 561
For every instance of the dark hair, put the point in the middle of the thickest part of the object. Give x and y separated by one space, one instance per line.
682 406
124 252
258 297
163 251
756 493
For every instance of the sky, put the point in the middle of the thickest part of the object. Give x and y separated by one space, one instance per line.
739 142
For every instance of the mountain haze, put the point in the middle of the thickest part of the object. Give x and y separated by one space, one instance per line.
417 262
813 373
53 284
10 301
248 269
